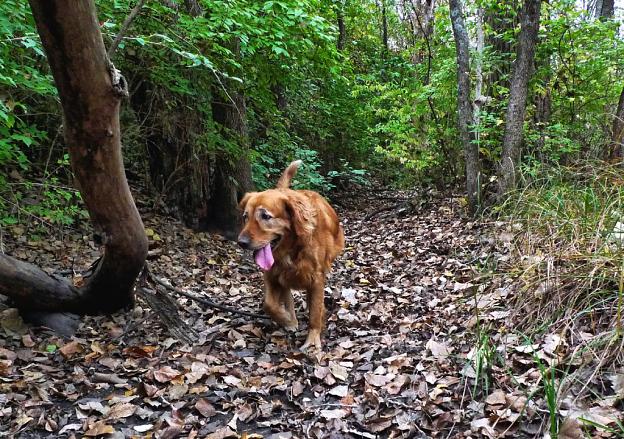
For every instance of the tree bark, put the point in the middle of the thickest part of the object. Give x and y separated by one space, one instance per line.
514 120
604 9
465 115
90 90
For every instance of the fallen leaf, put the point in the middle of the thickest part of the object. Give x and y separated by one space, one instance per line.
204 407
570 428
222 433
143 428
376 380
165 374
340 391
496 398
99 429
121 410
333 414
71 349
438 350
338 371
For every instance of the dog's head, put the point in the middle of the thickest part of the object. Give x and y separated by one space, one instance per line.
274 218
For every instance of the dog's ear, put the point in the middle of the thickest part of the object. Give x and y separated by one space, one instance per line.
303 215
243 202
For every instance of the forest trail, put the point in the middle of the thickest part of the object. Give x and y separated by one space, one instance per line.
393 349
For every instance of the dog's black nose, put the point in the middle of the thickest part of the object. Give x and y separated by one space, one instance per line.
244 241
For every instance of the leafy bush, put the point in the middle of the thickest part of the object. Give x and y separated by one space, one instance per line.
28 88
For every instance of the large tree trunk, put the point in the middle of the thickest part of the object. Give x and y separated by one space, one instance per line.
232 172
501 21
180 171
90 90
514 120
465 115
202 187
604 9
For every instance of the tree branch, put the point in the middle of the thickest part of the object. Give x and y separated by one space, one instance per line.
124 27
201 300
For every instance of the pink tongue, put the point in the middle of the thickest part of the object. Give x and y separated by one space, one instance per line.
264 257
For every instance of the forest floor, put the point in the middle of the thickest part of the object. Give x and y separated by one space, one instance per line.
401 354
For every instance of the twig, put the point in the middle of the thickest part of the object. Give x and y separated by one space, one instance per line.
124 27
384 209
201 300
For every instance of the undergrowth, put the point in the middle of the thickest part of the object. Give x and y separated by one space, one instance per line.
567 264
569 236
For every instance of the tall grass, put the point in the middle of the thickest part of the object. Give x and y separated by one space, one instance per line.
567 262
570 258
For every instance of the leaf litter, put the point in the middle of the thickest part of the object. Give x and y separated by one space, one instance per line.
399 357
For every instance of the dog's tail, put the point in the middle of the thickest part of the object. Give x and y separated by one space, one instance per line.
289 173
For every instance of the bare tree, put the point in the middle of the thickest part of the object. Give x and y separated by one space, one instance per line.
90 90
521 73
465 115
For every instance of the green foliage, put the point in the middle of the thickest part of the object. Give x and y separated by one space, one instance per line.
27 88
266 168
390 111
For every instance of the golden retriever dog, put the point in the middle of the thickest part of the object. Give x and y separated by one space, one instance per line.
295 236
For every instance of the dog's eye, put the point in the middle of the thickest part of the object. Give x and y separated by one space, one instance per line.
265 216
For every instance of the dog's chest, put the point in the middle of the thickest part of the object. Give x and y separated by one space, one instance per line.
289 273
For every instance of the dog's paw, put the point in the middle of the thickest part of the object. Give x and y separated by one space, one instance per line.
313 340
292 326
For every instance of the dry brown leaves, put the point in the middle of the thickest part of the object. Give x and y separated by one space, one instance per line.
396 361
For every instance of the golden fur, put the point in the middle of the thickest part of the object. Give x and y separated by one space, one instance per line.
306 237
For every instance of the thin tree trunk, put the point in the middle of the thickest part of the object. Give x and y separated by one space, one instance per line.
384 25
479 62
193 7
465 115
514 120
605 10
342 31
90 90
617 133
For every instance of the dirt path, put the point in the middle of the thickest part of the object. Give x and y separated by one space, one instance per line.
390 366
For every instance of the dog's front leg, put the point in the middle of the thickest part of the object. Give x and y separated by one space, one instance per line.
316 307
279 305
